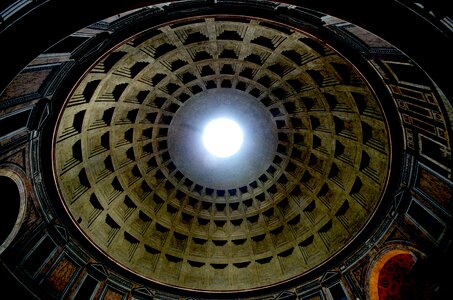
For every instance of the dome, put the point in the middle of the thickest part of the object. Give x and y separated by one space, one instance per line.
340 175
134 178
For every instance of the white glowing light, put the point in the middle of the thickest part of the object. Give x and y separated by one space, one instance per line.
222 137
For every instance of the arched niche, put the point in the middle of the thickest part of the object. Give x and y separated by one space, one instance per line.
12 204
394 274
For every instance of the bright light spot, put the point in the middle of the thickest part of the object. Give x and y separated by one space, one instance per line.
222 137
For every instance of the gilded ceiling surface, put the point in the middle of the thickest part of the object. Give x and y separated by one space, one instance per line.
320 179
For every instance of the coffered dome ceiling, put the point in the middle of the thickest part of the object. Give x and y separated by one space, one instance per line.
134 178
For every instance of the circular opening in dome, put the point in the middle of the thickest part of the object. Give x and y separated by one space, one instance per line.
222 137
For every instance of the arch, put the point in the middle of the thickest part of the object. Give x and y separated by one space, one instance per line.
377 266
396 261
13 205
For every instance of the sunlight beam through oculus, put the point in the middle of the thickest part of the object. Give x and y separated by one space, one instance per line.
222 137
